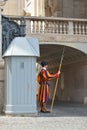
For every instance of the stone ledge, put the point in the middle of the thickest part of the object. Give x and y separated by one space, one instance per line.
21 115
50 37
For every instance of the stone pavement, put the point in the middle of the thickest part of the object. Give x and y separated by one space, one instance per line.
63 117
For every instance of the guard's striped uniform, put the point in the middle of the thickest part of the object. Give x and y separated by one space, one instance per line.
44 89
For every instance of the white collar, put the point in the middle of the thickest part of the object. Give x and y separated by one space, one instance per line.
44 68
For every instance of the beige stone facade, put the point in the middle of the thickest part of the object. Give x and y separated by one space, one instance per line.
56 8
24 8
14 7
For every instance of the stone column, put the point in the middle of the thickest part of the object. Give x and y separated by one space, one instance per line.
0 33
39 8
43 7
70 31
2 3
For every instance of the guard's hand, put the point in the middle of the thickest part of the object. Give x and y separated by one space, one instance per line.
56 75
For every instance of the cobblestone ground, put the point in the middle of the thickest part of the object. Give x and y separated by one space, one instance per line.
63 117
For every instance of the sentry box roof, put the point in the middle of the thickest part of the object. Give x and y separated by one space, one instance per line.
23 46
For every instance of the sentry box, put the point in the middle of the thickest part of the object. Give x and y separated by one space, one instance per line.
20 76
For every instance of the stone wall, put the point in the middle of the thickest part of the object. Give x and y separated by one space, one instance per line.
75 83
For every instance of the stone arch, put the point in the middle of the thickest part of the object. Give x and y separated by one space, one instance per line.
74 69
79 46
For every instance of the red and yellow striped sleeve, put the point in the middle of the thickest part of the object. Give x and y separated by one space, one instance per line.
47 75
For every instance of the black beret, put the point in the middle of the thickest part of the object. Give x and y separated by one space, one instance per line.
43 63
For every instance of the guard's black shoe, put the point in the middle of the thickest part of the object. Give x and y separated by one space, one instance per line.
45 111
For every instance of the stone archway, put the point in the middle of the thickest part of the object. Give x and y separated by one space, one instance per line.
73 80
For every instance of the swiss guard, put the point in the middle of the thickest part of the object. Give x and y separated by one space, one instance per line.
44 90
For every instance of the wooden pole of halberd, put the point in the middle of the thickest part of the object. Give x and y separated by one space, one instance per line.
57 80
